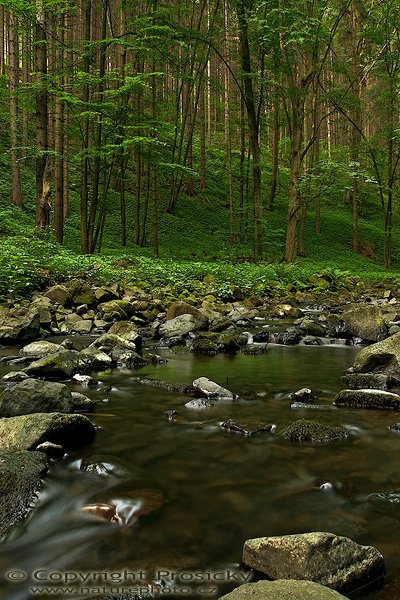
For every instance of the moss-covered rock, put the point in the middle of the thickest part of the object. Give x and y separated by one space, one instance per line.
59 294
204 346
18 325
366 322
363 381
20 478
120 310
34 396
322 557
229 341
178 308
287 311
369 398
310 431
127 331
28 431
381 357
80 292
283 590
59 365
40 349
310 327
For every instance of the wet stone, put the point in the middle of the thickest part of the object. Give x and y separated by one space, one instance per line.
197 404
235 427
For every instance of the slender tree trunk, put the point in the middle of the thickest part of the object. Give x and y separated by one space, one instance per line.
59 145
84 200
42 169
275 154
295 169
252 125
14 81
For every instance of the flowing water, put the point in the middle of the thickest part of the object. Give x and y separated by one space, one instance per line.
206 491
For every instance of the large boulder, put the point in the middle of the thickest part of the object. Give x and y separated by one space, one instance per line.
28 431
210 389
20 479
311 431
18 325
334 561
372 399
180 326
122 352
381 357
287 311
34 396
283 589
366 321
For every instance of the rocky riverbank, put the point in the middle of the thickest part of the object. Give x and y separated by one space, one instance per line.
41 418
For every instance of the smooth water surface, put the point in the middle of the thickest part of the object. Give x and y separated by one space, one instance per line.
212 490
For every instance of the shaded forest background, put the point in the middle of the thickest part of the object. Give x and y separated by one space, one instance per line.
203 130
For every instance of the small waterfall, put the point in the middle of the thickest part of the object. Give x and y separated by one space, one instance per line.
249 337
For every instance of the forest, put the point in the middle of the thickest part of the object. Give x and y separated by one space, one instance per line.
126 125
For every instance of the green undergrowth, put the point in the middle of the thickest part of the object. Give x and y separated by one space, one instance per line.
29 263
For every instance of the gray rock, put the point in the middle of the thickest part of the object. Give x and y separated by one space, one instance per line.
381 357
40 349
60 365
21 476
84 380
395 427
358 381
303 394
334 561
282 589
14 377
310 327
105 294
104 465
51 450
213 390
95 358
119 310
34 396
199 404
181 326
28 431
179 308
77 325
290 337
308 406
80 292
82 403
366 322
19 325
170 386
261 336
59 294
368 398
109 341
311 431
127 331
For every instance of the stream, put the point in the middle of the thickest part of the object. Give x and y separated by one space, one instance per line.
205 490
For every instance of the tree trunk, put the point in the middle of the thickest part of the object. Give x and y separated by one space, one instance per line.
42 175
14 81
252 125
